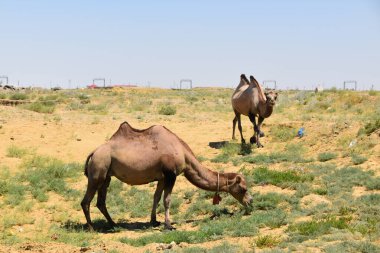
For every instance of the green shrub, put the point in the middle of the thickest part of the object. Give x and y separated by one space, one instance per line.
139 104
323 157
74 106
371 126
46 174
84 98
13 191
16 152
320 191
352 246
18 96
358 159
40 107
263 175
310 229
282 133
266 201
167 110
342 180
266 241
99 108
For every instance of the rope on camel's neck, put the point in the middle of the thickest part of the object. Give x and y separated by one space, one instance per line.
217 189
217 184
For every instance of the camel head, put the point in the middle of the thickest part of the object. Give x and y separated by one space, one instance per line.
239 191
271 96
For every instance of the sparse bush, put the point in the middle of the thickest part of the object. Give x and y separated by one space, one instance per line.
352 246
263 175
73 106
40 107
323 157
371 126
320 191
139 104
16 152
47 174
358 159
84 98
99 108
342 180
266 201
167 110
310 229
282 133
18 96
267 241
372 93
13 192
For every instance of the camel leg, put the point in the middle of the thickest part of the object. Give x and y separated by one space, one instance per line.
260 122
101 203
233 127
156 200
252 118
91 189
168 187
237 116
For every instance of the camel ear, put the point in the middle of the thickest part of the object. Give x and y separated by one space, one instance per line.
244 78
252 79
238 179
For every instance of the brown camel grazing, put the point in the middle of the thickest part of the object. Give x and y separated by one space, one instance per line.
139 157
250 100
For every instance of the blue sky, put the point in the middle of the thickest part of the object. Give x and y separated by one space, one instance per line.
297 43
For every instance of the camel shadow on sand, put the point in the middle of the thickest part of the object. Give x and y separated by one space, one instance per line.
102 226
244 148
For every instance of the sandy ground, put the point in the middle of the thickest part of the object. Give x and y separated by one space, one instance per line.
75 135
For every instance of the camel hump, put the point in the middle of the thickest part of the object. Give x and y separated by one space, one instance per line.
125 129
244 78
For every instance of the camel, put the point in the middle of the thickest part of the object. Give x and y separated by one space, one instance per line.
139 157
250 100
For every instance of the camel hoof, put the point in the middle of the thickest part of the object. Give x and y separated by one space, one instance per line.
112 224
262 134
169 227
243 141
155 223
252 140
259 145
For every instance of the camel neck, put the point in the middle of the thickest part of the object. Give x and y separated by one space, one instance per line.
267 110
206 179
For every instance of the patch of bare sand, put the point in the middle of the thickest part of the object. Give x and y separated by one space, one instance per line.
358 191
312 200
263 189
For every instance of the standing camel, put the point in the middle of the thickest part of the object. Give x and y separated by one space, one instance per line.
139 157
250 100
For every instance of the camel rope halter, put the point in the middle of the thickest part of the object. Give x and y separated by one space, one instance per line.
217 187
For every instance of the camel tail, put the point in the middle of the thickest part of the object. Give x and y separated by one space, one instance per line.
86 164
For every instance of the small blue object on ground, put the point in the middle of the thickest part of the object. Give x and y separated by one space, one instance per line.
300 132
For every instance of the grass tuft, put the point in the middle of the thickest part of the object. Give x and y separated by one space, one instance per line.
16 152
167 110
267 241
323 157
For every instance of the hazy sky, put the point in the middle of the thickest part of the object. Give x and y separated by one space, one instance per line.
297 43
